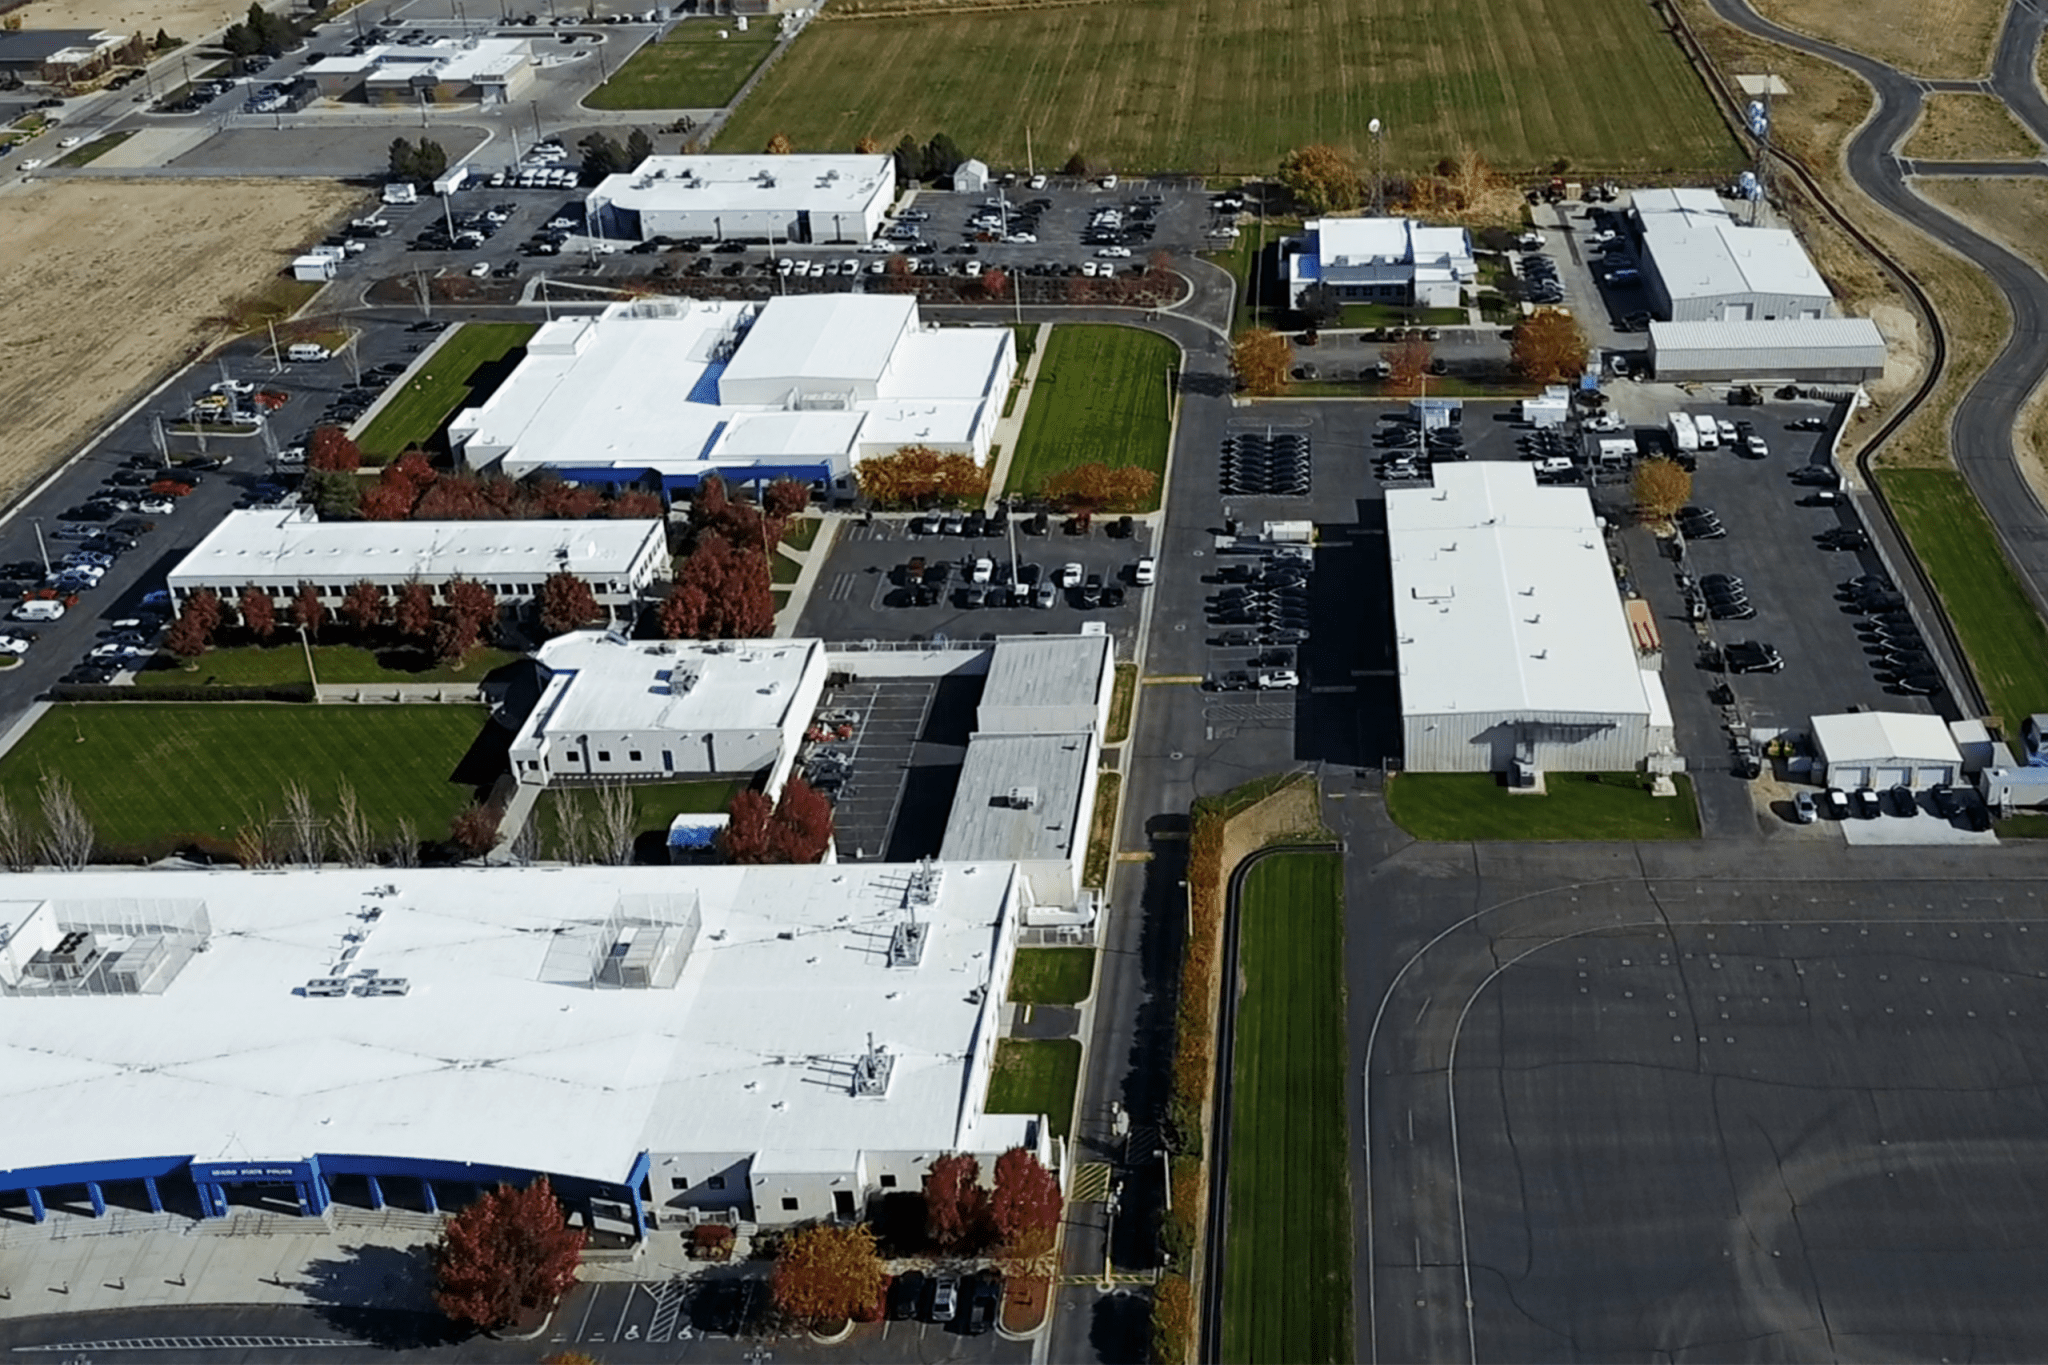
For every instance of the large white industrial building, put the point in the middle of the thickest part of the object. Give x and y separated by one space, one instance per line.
794 198
1381 260
661 393
490 71
763 1044
1699 265
1513 647
280 550
659 710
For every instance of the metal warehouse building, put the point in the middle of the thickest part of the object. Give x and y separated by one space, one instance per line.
797 198
1807 350
1513 646
1699 265
1886 749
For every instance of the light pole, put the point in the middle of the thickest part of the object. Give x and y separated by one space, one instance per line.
41 547
1379 167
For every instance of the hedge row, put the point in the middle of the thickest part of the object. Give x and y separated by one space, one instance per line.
297 691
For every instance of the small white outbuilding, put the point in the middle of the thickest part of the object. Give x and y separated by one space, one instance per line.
970 177
1886 749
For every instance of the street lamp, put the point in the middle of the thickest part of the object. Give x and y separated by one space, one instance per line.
1379 167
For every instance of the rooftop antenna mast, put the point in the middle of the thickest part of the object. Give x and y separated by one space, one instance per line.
1759 118
1379 167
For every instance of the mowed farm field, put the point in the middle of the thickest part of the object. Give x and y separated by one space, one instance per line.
105 285
1190 85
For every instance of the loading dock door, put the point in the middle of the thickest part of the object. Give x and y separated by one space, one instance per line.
1848 776
1893 776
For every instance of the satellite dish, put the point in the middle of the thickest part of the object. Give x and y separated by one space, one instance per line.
1373 127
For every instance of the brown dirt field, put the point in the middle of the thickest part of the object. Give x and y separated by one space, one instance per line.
101 300
1968 128
1826 105
187 19
1939 38
2009 211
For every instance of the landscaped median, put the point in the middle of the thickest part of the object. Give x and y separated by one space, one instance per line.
1036 1076
478 356
1573 807
2000 630
1104 395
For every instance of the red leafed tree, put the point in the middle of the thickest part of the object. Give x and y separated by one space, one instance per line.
454 637
473 830
567 501
738 601
827 1274
1026 1206
708 503
191 635
635 504
745 838
330 449
567 603
469 600
995 283
414 467
308 610
389 500
413 613
259 613
683 611
802 828
955 1206
364 607
511 1253
785 498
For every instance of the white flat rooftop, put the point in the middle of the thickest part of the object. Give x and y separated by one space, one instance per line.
822 339
1855 736
817 183
1504 599
1710 257
500 1053
1777 334
633 685
252 545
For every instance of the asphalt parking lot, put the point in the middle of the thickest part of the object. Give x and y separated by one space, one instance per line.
862 580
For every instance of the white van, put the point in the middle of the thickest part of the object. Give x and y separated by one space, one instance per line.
305 350
38 609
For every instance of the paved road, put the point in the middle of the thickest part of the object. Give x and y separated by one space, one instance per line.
1981 433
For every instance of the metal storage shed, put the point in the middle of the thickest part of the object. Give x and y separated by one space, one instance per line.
1810 350
1886 749
970 177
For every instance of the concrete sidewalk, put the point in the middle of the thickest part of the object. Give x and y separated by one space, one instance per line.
74 1264
1009 429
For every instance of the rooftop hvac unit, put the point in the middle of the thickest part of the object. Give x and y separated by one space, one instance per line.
327 986
387 985
872 1071
906 942
681 681
71 960
1023 798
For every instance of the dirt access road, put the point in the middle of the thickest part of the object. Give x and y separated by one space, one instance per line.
106 285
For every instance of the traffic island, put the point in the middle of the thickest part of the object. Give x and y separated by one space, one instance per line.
1026 1302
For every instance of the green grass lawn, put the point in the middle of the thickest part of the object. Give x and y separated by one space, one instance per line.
1101 396
416 416
97 148
157 776
285 662
2000 630
783 570
1122 697
1576 807
692 68
655 807
1102 831
1392 315
1257 249
1287 1284
1036 1076
1157 85
800 533
1052 976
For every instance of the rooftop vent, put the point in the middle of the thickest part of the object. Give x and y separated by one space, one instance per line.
871 1073
926 882
327 986
1022 798
906 942
387 985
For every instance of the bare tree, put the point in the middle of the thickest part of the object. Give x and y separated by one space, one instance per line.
617 814
352 843
68 836
404 848
254 845
572 834
526 843
17 838
304 836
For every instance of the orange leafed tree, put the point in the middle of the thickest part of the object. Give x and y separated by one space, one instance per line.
1407 364
1261 357
1549 347
918 476
1098 487
1026 1204
1661 488
827 1274
509 1254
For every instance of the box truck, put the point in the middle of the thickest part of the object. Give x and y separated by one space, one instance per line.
1684 435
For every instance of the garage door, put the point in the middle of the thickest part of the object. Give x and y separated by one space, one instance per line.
1848 776
1930 774
1892 777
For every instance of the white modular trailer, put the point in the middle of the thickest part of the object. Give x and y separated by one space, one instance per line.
1886 749
1807 351
796 198
1512 641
